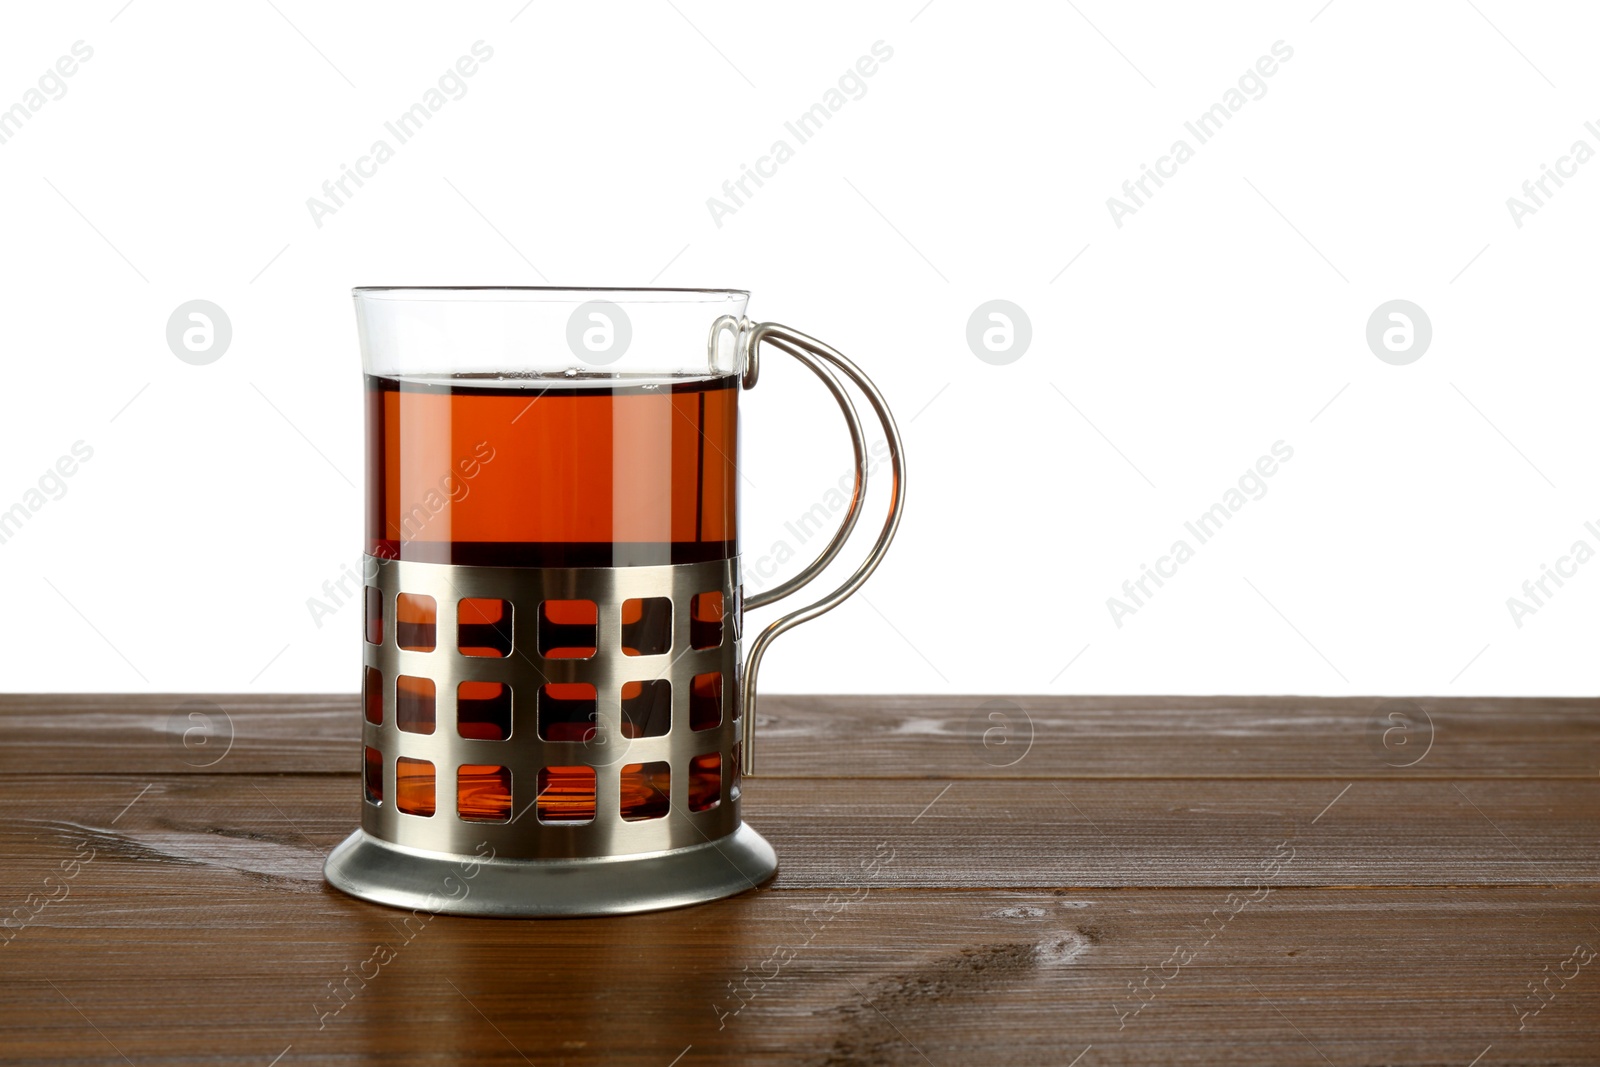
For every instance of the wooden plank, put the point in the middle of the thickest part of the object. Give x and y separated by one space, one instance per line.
1158 880
1180 737
161 733
955 834
939 737
168 965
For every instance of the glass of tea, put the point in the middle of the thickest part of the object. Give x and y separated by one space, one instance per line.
553 691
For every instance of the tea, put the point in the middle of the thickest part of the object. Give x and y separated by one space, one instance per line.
551 472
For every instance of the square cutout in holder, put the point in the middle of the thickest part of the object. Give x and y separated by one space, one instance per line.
372 695
705 782
415 705
705 620
416 627
483 793
483 710
646 708
414 786
566 794
372 606
567 711
483 627
646 788
646 626
705 701
372 775
568 629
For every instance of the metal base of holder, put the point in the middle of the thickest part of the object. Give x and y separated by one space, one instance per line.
417 880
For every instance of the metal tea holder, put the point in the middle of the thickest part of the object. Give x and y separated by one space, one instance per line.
609 865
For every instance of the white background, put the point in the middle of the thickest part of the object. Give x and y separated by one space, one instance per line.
1225 315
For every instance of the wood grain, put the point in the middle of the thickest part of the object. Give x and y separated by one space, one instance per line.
229 971
1158 881
938 737
975 834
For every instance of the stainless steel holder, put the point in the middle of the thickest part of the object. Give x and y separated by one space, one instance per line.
692 848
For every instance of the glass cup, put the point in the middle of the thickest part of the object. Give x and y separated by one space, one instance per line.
553 689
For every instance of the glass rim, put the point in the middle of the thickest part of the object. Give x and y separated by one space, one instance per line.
512 292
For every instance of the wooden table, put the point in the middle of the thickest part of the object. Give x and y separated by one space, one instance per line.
1080 880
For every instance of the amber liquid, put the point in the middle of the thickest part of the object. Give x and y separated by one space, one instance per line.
569 474
549 472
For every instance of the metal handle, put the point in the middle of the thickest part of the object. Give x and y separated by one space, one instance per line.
812 352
